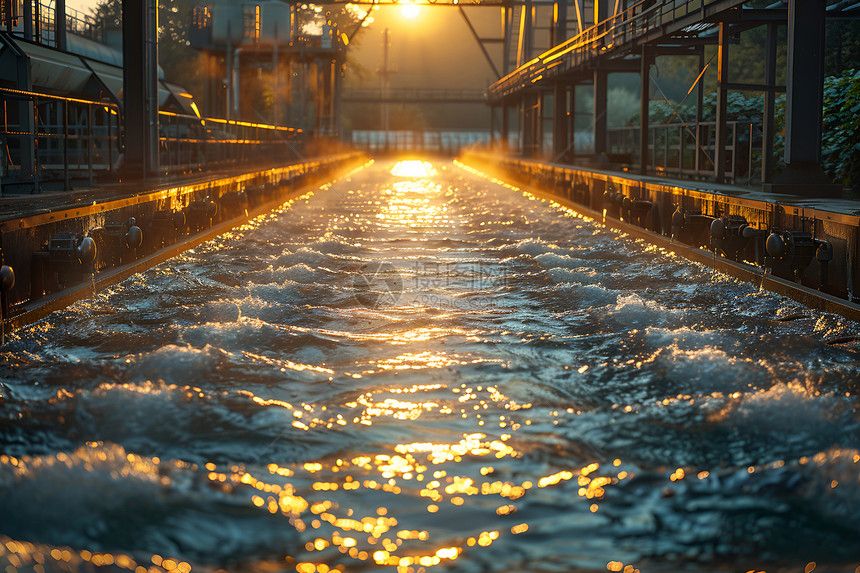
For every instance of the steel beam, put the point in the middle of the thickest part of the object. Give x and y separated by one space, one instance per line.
627 65
480 42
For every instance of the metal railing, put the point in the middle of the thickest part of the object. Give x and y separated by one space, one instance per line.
44 21
689 149
444 141
48 138
189 143
417 95
61 141
621 31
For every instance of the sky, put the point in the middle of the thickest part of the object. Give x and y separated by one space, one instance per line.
82 5
434 48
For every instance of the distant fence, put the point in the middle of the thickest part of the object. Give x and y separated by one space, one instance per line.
413 95
445 141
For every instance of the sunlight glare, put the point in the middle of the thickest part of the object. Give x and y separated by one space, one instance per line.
410 11
413 168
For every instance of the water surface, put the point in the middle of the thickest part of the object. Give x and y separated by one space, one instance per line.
435 373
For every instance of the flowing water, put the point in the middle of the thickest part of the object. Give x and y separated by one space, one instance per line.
431 372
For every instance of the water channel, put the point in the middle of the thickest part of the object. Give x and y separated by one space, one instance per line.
417 368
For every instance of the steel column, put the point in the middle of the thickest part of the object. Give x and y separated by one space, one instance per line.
60 24
28 20
526 24
803 174
572 133
7 16
804 80
493 138
700 104
599 111
338 99
153 143
601 10
64 113
560 121
141 113
507 35
506 127
27 117
722 103
559 29
276 96
644 109
767 159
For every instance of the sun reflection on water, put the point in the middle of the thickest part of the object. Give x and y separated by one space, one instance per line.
413 168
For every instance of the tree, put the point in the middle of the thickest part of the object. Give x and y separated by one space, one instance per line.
175 55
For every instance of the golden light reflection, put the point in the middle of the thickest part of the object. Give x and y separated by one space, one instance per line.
413 168
409 10
425 360
413 204
446 475
377 524
316 497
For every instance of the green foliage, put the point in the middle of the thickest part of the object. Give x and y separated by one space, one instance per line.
741 108
841 134
840 146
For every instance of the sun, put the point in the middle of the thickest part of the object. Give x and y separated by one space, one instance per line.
409 11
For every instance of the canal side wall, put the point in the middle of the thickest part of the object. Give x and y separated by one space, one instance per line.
819 247
49 256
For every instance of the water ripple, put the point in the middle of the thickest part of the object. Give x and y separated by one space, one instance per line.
430 372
